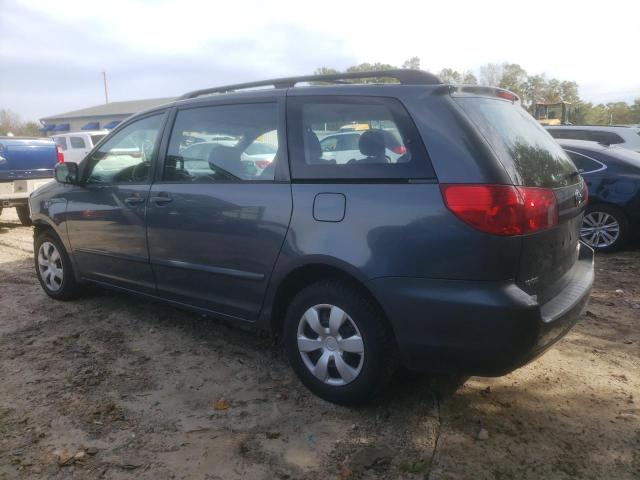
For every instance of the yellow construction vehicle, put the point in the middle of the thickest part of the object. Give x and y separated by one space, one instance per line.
552 113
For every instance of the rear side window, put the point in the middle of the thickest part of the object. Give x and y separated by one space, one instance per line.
583 163
569 134
61 142
96 138
528 153
606 138
77 142
359 138
223 143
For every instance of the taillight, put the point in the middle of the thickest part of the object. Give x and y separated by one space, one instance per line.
400 150
506 95
60 154
502 209
585 192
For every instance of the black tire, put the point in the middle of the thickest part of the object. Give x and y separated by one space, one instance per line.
620 217
380 358
23 215
69 288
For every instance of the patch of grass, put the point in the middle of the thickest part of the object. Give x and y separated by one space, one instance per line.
413 466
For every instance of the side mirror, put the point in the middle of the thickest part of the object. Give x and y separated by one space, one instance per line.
66 173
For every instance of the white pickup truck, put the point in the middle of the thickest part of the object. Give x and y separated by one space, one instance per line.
76 145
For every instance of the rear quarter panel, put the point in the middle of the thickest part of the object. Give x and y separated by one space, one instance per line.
394 230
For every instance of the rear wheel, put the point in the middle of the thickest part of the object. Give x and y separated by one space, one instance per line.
53 268
338 343
604 228
23 215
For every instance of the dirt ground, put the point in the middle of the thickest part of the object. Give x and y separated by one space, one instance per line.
112 386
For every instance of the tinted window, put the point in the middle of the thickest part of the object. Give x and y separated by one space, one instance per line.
77 142
524 148
127 156
606 138
584 164
61 142
223 143
386 143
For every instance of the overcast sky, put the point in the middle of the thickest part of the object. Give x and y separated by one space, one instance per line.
52 53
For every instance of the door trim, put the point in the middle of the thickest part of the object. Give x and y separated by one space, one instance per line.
104 253
206 268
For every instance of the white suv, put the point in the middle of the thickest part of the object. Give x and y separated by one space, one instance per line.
76 145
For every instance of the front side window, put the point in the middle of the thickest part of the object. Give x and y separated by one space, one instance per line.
354 138
77 142
226 143
128 155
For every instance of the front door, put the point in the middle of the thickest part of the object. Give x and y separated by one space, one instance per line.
218 215
106 215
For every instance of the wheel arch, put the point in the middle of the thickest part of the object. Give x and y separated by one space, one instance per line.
301 276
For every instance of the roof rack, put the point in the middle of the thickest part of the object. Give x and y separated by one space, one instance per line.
404 76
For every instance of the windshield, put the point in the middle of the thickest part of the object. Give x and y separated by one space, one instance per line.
530 155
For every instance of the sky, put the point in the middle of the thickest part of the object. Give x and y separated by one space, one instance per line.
52 53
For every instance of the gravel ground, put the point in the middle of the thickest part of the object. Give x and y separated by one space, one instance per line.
112 386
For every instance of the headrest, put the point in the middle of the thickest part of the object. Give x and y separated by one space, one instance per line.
371 144
227 158
312 147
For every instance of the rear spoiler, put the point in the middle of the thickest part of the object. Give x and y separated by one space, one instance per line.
478 91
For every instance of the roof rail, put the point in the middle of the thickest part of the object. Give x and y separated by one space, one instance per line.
404 76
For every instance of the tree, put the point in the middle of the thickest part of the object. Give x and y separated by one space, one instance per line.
325 71
514 78
448 75
412 64
491 74
468 78
10 122
533 90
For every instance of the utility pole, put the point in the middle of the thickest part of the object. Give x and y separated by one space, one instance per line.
106 92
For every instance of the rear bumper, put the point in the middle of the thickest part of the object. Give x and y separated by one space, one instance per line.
16 193
479 328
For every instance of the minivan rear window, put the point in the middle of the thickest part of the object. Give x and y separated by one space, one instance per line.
528 153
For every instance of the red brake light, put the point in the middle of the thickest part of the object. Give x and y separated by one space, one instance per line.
502 209
400 150
60 154
506 95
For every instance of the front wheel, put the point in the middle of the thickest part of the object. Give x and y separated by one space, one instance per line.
338 343
23 215
604 228
53 268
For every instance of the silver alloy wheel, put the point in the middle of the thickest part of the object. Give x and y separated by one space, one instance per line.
599 229
50 266
330 344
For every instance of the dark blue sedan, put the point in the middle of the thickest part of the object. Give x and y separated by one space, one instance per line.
613 177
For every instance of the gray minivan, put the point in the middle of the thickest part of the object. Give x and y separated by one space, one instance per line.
461 255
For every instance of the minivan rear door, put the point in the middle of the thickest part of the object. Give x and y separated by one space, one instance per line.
532 158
